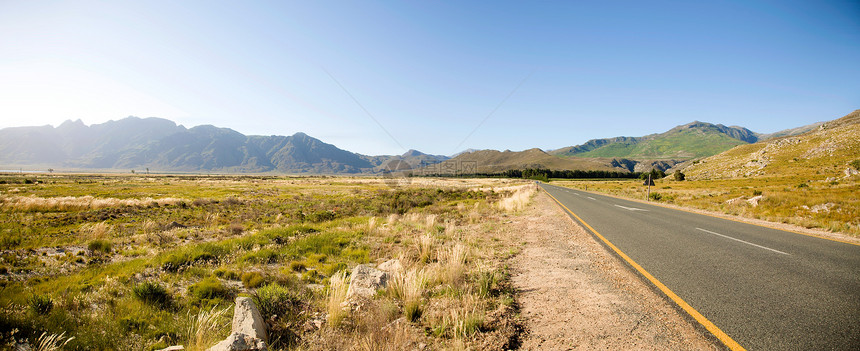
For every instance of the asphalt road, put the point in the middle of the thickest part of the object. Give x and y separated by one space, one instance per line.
767 289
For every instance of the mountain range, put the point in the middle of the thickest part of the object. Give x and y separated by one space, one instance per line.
163 146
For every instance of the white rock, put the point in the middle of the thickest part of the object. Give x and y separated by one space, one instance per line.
753 201
249 329
735 201
366 280
391 266
240 342
247 319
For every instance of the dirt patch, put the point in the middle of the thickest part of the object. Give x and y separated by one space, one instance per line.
574 294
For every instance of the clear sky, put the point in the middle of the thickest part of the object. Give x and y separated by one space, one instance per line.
382 77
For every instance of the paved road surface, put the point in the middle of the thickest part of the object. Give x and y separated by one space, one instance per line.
767 289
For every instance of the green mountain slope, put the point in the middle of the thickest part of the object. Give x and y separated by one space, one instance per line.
696 139
826 151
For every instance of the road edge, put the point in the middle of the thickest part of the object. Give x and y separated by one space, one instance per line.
703 321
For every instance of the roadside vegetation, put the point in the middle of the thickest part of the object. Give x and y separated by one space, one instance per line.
94 262
821 202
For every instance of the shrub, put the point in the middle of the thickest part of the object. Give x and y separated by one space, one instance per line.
252 279
322 216
226 274
102 246
802 185
679 176
297 266
235 228
264 256
756 192
187 256
855 164
153 294
209 290
40 304
655 196
277 300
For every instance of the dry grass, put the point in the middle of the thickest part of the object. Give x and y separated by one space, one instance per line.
52 342
206 328
425 248
408 286
338 287
98 230
452 264
466 319
519 199
72 203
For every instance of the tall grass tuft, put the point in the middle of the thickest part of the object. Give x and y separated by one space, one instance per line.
465 320
206 328
453 264
338 287
408 286
425 248
52 342
96 230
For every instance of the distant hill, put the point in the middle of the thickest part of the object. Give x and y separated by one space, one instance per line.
161 145
826 151
491 161
692 140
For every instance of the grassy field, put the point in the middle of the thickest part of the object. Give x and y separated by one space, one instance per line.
96 262
812 202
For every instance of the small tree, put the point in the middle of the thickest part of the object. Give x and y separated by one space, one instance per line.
679 176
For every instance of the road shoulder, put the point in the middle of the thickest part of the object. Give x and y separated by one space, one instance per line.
574 294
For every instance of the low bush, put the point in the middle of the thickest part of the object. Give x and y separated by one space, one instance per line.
100 246
252 279
40 304
297 266
226 274
208 291
188 256
153 294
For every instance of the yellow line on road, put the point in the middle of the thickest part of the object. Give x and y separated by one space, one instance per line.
711 327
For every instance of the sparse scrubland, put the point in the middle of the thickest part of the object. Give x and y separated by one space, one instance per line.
810 180
94 262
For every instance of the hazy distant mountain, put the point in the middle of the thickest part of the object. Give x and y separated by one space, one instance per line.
161 145
409 160
696 139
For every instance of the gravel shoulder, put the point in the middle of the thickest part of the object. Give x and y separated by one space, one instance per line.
574 294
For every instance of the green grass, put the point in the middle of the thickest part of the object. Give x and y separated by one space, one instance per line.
147 275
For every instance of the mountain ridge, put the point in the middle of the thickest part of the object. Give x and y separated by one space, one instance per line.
161 144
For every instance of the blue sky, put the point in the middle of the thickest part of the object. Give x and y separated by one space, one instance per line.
434 76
